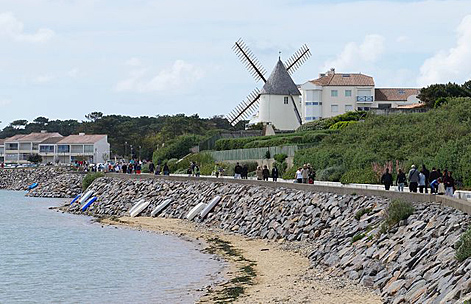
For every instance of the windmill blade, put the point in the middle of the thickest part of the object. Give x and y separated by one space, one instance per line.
245 108
296 112
297 59
248 59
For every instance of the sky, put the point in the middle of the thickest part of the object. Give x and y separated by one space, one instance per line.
63 59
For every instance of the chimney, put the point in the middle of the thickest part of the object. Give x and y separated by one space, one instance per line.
81 134
321 75
331 71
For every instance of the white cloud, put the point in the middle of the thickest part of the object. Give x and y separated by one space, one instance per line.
355 56
46 78
13 28
4 102
73 73
179 76
134 62
453 64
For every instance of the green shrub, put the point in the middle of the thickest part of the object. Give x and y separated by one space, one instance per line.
357 237
362 212
202 158
333 174
359 176
326 123
176 148
172 164
145 168
463 246
397 211
341 125
280 157
89 178
290 173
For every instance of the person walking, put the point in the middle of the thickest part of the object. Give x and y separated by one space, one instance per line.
151 167
299 175
245 171
413 179
265 173
237 171
259 173
421 182
157 169
449 185
305 174
197 170
426 173
166 169
401 180
387 179
434 174
274 173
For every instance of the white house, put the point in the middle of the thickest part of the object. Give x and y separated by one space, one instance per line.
337 93
279 100
2 150
56 148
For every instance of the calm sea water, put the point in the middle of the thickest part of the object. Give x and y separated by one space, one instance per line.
51 257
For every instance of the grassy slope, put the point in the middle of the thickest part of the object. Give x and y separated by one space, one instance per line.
440 138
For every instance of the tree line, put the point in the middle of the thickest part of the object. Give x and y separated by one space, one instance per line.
132 136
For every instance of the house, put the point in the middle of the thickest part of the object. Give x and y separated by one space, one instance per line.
55 148
19 147
337 93
82 147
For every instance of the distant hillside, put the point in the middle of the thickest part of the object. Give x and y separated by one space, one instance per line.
439 138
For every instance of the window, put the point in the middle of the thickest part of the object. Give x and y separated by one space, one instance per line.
88 148
334 93
363 108
285 100
46 149
309 118
11 147
348 108
334 108
348 93
312 103
63 149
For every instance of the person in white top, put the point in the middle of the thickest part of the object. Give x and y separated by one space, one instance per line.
299 175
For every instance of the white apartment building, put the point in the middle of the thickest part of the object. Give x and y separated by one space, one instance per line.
2 151
337 93
55 148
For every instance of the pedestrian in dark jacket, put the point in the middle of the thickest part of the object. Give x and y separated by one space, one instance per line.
166 170
426 173
265 173
433 175
274 173
413 179
401 180
245 172
237 171
387 179
151 167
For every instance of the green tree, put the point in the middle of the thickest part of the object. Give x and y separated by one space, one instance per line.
94 116
35 158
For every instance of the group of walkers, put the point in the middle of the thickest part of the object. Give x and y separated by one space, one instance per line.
193 170
262 173
305 174
438 182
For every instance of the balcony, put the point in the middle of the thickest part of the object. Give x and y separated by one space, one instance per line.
365 99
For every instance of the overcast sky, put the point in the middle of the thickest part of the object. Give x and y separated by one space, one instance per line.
66 58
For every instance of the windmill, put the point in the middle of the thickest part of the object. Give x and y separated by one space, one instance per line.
277 93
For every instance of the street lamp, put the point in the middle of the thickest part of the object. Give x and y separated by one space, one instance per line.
124 155
140 153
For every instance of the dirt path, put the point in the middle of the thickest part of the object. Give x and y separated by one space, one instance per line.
260 271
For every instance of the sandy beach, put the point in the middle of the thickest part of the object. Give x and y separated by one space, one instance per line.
259 271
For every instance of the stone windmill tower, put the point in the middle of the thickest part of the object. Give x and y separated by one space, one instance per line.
278 101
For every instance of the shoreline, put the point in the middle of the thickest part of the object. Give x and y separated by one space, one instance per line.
258 271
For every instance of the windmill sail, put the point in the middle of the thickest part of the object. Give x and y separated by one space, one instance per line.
245 108
249 60
296 112
297 59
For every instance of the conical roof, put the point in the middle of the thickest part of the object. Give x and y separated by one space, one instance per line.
279 82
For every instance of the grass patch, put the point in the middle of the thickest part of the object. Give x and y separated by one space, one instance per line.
397 211
89 178
463 246
357 237
362 212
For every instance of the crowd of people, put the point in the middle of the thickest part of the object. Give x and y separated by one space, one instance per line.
438 182
305 174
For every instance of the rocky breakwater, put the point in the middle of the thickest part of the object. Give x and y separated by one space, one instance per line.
52 181
414 262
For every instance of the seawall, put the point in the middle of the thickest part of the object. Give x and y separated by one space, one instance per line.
414 262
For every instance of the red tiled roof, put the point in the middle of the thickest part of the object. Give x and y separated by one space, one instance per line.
394 94
342 79
38 137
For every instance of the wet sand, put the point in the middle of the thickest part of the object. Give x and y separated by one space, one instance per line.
278 276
